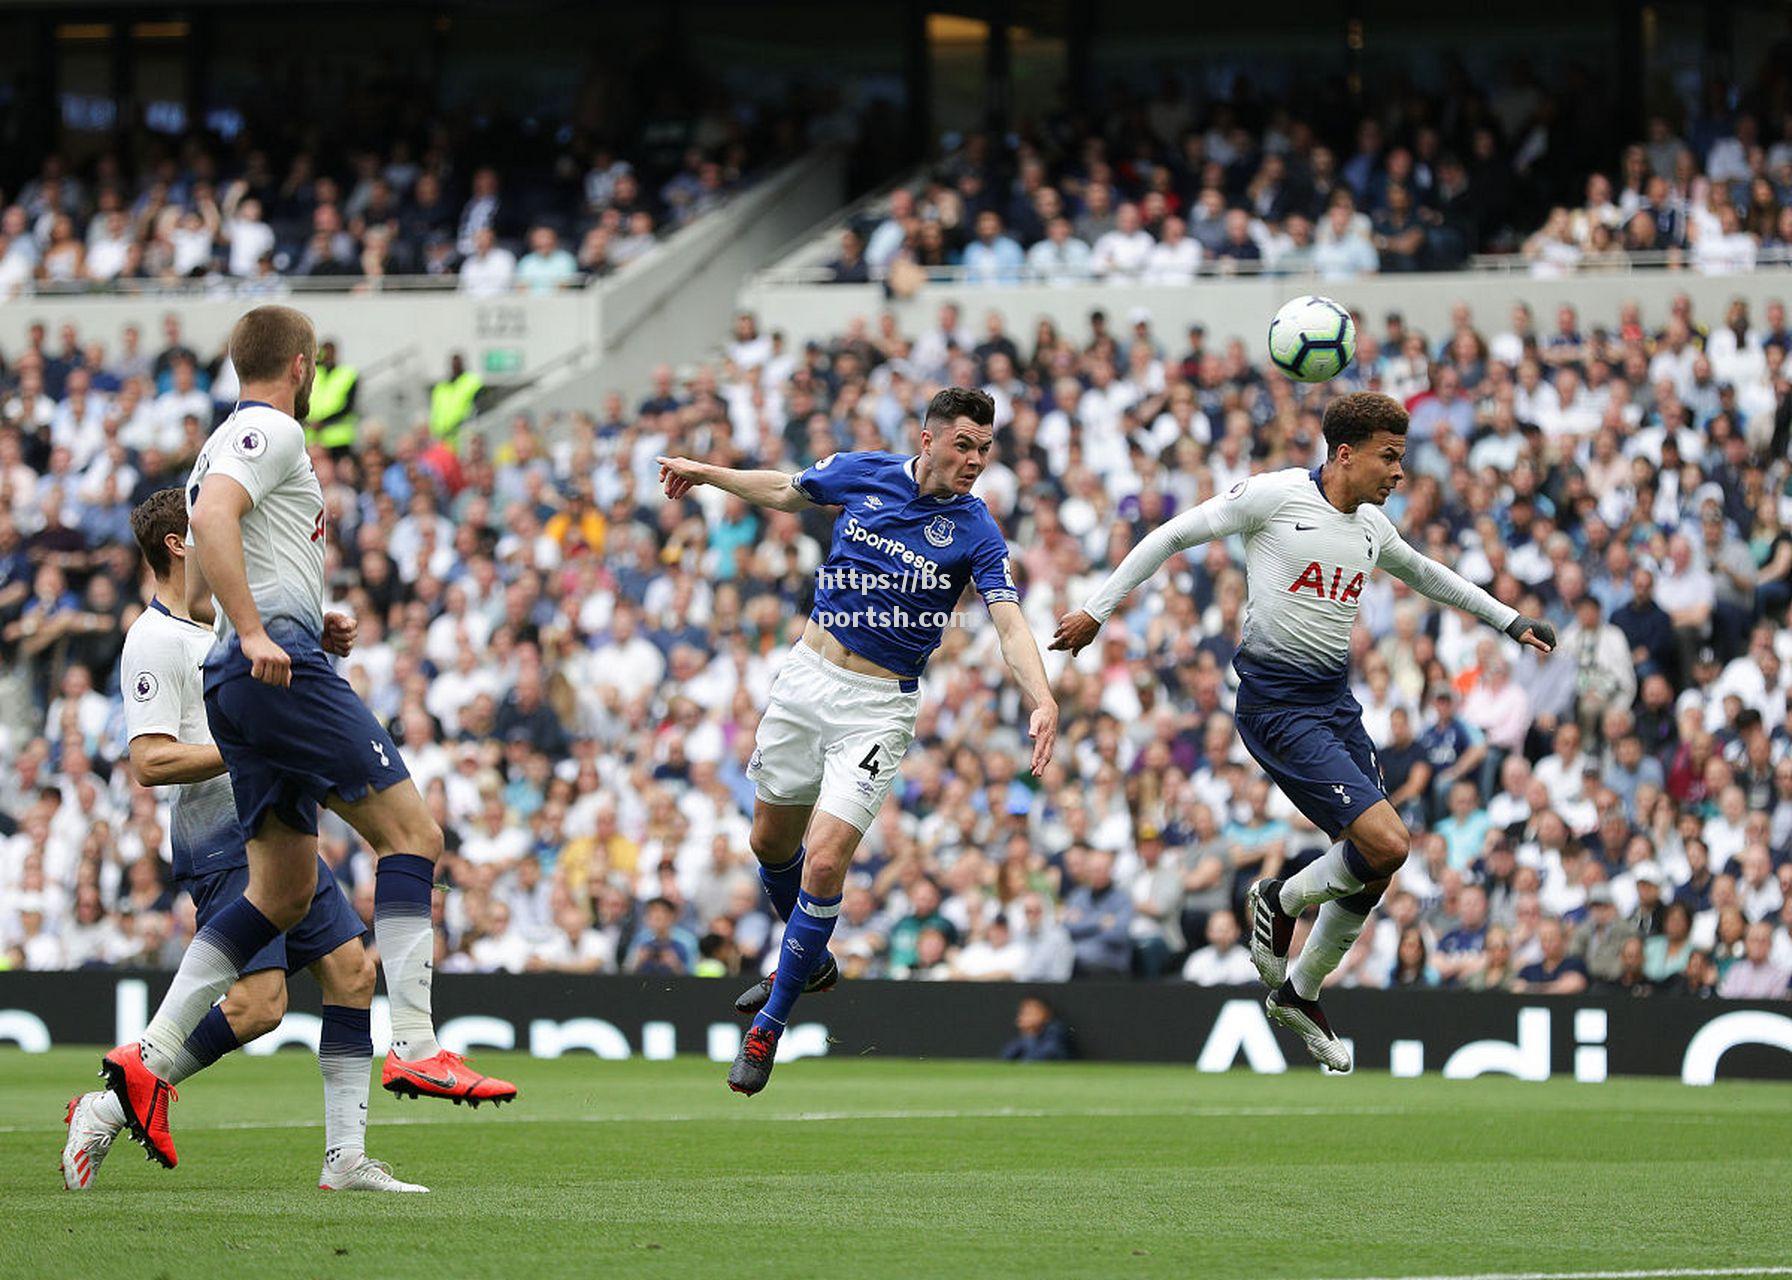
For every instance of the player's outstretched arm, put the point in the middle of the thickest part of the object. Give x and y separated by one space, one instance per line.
1021 653
1444 585
761 488
158 760
1235 511
217 524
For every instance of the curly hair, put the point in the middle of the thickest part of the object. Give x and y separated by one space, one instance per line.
1353 419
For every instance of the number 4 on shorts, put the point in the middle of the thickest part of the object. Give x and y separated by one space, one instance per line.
869 763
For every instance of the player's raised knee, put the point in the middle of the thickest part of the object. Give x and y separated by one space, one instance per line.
1387 847
351 982
284 904
425 840
255 1008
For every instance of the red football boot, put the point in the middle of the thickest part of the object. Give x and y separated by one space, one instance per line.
145 1097
446 1075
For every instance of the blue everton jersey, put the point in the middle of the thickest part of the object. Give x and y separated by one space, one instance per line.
900 561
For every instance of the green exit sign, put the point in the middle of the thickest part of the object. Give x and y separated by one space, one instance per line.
503 359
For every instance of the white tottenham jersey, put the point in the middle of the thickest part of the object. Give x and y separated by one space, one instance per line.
263 450
159 676
1306 564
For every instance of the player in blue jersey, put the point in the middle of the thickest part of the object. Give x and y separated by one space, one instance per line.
171 746
1311 540
910 538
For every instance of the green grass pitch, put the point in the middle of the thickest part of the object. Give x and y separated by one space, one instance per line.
873 1168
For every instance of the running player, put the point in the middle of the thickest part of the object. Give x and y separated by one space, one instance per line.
910 538
1311 540
292 735
171 746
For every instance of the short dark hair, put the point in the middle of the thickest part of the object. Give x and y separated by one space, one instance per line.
266 339
152 520
961 402
1352 419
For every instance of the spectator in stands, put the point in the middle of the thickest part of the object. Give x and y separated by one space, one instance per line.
1098 917
1756 976
546 267
1122 254
850 266
1344 247
489 269
992 257
1060 258
1223 962
1556 972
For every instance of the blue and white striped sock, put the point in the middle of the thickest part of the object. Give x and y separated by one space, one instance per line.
345 1056
213 961
402 884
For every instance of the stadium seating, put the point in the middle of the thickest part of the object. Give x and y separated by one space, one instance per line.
573 667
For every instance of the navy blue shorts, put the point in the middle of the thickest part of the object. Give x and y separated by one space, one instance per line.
286 749
1318 755
329 924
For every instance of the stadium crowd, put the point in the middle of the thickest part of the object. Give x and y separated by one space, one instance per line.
574 666
1171 188
249 217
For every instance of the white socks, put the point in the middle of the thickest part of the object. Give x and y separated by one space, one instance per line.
1326 877
1334 933
107 1109
346 1081
407 945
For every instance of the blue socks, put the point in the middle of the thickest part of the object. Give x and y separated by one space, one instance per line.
211 1039
239 931
805 943
1359 865
1363 901
782 884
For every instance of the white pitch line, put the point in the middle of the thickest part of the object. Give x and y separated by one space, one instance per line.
1667 1273
799 1117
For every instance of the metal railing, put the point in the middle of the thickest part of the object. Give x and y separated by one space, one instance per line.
222 286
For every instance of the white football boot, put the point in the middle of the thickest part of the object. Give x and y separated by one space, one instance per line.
89 1141
1306 1020
365 1174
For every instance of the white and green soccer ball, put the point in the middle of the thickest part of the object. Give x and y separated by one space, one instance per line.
1312 339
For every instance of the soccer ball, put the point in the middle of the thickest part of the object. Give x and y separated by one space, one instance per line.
1312 339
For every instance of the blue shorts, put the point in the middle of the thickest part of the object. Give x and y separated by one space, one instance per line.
287 749
329 924
1318 755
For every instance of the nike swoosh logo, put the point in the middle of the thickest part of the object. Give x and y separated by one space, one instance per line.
440 1082
1302 528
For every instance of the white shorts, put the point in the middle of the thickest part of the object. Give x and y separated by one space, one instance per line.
832 738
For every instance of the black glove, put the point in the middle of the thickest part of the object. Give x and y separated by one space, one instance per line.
1521 624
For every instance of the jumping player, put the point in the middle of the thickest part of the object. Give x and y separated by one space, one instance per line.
171 746
910 537
292 735
1311 540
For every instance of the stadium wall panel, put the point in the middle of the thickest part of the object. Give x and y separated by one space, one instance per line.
1456 1034
1243 307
